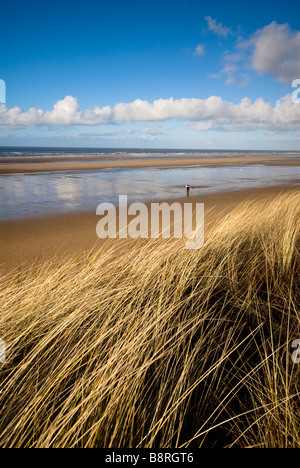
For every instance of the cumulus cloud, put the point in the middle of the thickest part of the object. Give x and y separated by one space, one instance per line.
202 114
217 28
248 116
277 52
65 112
273 50
214 113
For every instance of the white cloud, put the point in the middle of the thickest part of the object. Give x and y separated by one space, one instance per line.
120 134
215 113
277 52
147 133
65 112
203 114
273 50
200 49
160 109
218 28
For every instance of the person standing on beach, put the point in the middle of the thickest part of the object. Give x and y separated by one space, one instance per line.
187 189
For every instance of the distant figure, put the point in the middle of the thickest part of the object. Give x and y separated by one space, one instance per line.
187 189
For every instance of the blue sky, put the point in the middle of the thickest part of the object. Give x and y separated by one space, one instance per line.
113 67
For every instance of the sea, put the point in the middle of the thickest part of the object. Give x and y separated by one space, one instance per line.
136 153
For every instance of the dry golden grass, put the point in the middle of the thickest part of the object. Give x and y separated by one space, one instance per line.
159 346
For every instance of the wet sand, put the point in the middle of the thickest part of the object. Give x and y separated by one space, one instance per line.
38 239
79 165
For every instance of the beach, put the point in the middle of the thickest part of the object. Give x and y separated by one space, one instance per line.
60 164
35 240
30 239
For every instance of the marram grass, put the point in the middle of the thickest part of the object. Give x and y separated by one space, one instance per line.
159 346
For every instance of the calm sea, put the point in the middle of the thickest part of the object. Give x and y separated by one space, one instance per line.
123 153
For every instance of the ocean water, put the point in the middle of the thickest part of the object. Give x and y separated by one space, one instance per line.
16 153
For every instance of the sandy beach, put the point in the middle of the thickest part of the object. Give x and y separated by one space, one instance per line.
57 164
36 239
33 239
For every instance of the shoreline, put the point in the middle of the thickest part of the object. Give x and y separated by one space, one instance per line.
33 240
55 165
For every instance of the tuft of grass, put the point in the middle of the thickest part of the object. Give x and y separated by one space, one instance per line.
158 346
